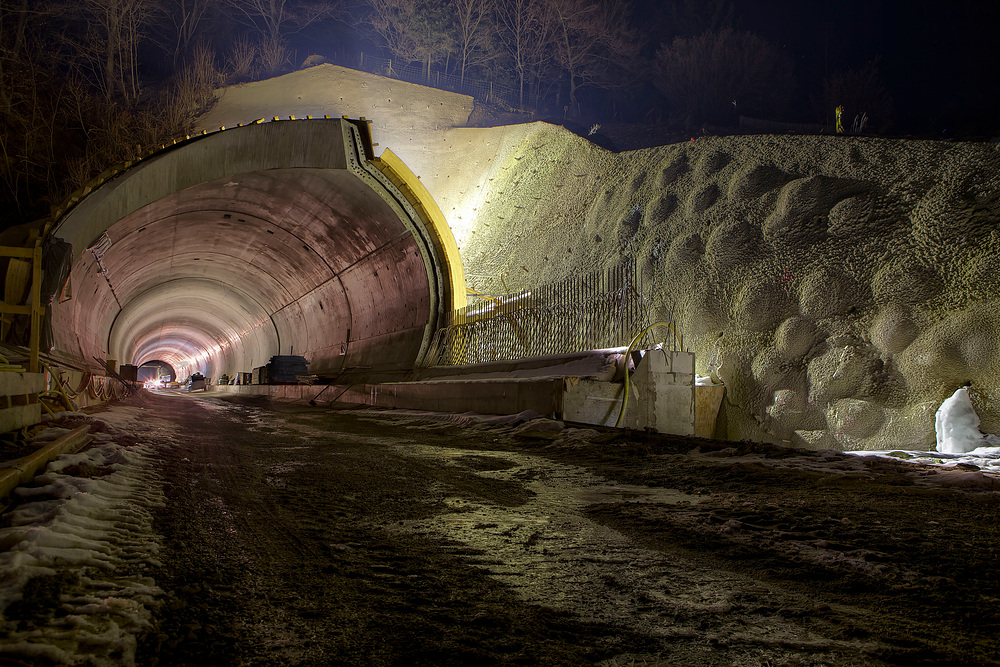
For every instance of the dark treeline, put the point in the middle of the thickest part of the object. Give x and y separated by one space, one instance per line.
87 84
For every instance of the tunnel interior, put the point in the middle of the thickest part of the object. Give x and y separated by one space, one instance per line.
281 238
154 370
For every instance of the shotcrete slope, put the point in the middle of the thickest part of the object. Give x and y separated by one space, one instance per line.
841 287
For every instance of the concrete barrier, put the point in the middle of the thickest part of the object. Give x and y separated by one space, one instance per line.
663 395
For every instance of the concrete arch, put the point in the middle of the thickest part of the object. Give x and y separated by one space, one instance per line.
273 238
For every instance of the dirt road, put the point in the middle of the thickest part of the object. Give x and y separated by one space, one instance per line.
296 536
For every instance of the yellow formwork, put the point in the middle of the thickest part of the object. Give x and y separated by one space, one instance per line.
442 238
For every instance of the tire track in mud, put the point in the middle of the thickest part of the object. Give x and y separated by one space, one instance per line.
277 554
549 553
299 538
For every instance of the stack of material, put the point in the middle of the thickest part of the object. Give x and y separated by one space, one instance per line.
128 372
286 369
260 376
19 404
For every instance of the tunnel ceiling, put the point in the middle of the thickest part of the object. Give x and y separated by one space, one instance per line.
275 238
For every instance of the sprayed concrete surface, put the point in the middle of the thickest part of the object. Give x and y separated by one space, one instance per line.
306 536
842 287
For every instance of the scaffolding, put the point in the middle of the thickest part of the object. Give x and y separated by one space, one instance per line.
24 268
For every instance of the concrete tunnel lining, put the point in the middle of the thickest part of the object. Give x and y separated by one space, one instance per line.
273 238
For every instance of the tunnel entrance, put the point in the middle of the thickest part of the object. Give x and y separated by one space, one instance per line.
280 238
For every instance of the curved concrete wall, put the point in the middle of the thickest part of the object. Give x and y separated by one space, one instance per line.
276 238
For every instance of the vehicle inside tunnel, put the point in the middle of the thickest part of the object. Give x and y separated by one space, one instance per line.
279 238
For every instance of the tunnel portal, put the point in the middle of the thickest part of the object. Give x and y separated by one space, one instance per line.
286 237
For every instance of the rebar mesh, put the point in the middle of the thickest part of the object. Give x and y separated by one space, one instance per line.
600 310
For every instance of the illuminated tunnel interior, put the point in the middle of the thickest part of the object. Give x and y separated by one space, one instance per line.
286 238
155 370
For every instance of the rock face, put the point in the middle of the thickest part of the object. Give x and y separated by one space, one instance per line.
841 287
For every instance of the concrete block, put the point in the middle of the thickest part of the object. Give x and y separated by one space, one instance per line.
594 402
661 396
682 362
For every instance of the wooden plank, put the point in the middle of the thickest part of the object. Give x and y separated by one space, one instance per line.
23 470
11 251
14 383
707 401
36 308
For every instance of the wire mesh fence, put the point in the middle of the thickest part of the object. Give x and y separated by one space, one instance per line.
484 91
600 310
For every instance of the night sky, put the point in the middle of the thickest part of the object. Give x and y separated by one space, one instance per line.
939 59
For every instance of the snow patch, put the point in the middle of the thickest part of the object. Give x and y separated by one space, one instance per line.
87 526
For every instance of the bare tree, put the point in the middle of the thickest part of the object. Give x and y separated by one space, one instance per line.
108 49
187 19
14 17
527 34
589 36
241 61
714 76
414 30
391 20
273 20
472 21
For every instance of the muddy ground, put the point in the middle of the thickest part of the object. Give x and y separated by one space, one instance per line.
298 536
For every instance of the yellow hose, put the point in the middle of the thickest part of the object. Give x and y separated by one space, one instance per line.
61 389
56 397
47 408
628 355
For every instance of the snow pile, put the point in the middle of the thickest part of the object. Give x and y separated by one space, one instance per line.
71 584
965 457
957 426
